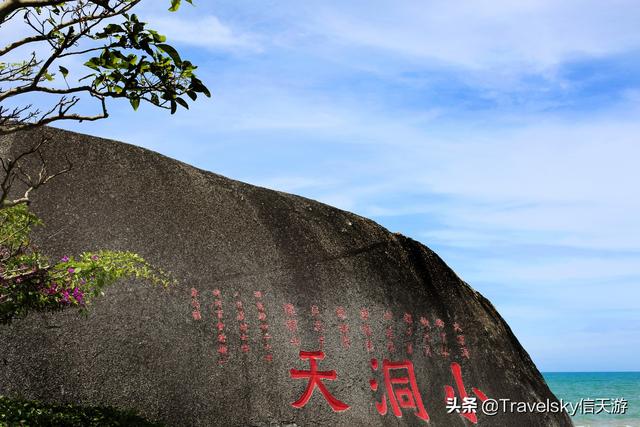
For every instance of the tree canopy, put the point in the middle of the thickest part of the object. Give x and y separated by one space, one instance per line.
72 52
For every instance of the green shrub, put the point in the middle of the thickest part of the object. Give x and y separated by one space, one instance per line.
29 281
15 412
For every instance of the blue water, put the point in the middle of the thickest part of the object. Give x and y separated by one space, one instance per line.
574 386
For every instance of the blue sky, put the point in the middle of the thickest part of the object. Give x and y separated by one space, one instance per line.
503 135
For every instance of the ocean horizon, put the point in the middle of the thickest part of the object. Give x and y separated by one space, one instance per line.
606 392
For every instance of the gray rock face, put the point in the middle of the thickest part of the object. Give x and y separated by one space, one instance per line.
268 283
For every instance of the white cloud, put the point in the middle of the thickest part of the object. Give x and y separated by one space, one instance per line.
203 31
486 35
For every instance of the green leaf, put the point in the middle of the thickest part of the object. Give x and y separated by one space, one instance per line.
92 63
135 103
169 50
63 71
157 37
182 102
175 5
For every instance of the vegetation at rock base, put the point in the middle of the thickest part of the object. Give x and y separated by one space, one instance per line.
15 412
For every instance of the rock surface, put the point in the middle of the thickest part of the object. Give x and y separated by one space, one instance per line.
262 276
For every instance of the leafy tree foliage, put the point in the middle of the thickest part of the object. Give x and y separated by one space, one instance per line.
122 58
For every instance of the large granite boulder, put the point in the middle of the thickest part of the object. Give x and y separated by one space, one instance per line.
269 284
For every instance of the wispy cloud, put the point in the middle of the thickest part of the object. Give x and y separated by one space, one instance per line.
538 34
206 32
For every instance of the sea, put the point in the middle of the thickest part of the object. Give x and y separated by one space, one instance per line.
609 393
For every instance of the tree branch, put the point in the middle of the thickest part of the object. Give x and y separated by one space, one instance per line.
14 169
7 7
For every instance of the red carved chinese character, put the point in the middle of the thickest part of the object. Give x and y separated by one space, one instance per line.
457 328
195 304
389 333
263 325
409 348
315 380
343 327
292 325
399 396
364 314
391 347
444 351
346 342
366 330
289 310
315 311
450 394
408 319
439 323
369 346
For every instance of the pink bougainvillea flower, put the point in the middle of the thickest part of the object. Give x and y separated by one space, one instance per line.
78 295
53 289
64 259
